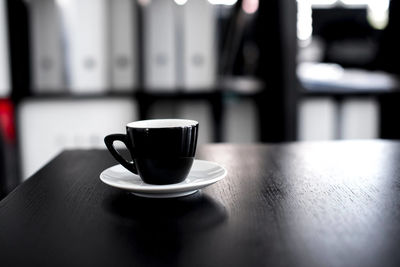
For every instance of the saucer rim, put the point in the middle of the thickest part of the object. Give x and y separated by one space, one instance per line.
161 189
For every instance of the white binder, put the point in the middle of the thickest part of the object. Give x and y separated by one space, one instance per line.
49 126
46 52
317 119
360 118
199 45
4 59
86 34
123 37
159 45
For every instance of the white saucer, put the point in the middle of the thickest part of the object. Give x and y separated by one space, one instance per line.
202 174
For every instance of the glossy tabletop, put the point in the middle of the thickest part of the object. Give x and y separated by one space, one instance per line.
295 204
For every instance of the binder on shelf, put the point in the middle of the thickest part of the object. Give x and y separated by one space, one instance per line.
199 53
360 118
46 51
123 36
4 58
159 45
321 112
43 134
86 34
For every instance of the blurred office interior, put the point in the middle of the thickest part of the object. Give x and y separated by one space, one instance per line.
249 71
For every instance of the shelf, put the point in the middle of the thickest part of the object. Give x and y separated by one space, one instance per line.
71 96
321 79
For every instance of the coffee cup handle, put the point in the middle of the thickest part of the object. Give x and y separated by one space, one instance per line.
109 141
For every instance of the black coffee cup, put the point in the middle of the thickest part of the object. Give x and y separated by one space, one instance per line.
162 150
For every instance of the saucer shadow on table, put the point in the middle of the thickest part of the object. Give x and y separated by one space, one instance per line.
192 213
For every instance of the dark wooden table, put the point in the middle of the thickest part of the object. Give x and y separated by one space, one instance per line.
295 204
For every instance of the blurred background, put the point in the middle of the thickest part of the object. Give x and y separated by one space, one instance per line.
72 71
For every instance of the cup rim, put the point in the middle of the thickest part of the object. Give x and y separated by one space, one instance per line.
162 124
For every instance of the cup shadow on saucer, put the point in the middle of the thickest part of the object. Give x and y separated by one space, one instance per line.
194 213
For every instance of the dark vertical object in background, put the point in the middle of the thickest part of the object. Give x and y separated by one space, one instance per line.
18 36
140 44
231 37
389 110
389 60
277 41
18 28
9 171
3 177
